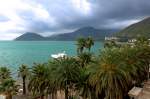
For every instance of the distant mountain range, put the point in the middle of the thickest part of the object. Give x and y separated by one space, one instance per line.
141 28
30 37
97 34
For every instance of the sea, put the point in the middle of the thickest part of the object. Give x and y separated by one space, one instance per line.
15 53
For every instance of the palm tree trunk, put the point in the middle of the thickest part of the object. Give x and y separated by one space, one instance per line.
9 96
42 97
46 96
148 66
53 96
24 85
66 93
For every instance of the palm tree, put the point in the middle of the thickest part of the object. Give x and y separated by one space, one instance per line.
118 69
52 82
80 45
143 48
67 74
110 78
89 43
132 65
82 86
23 72
4 73
37 83
8 88
84 58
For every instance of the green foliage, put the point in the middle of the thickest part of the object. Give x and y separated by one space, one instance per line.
84 59
23 72
110 77
80 45
119 69
84 43
4 73
37 83
110 44
89 43
67 74
8 86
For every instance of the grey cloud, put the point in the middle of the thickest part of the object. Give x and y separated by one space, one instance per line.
104 14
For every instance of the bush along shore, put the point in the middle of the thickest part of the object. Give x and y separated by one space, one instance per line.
108 76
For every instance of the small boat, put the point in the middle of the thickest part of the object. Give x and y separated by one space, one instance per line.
59 55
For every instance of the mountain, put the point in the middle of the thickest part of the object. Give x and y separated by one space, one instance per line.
141 28
97 34
29 36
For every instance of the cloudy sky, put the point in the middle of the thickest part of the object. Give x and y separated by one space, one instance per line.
49 17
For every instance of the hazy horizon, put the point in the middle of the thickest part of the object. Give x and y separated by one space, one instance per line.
49 17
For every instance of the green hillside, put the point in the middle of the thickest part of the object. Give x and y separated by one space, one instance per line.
141 28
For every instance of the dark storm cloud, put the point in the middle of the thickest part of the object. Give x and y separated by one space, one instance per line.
53 16
119 11
102 14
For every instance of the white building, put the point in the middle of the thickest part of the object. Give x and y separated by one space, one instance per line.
110 38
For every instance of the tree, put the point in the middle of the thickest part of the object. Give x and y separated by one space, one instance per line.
83 86
84 58
4 73
89 43
52 85
80 45
23 72
8 88
143 48
37 83
67 74
111 77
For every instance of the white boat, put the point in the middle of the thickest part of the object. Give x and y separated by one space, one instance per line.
59 55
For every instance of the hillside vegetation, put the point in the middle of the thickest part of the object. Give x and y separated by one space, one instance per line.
141 28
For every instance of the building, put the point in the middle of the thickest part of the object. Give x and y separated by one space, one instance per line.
111 38
132 40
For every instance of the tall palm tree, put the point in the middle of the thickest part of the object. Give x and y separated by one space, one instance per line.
132 65
110 77
80 45
9 88
37 82
23 72
83 86
89 43
67 74
4 73
143 48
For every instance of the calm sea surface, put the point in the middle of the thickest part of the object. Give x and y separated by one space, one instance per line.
15 53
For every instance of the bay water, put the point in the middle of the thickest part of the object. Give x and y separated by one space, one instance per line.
15 53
